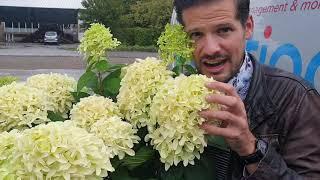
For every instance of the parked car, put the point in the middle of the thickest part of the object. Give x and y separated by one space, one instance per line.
51 37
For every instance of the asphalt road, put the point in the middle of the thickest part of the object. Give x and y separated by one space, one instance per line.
23 60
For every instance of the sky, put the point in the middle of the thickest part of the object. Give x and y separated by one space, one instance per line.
67 4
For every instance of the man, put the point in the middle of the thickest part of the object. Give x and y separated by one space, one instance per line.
270 118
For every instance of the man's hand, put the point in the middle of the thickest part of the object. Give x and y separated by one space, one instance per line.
233 116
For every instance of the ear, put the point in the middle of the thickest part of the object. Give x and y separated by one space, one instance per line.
249 27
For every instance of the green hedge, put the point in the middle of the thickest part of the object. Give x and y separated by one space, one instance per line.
138 36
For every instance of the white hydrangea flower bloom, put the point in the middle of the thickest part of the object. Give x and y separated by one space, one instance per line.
58 87
60 150
21 106
175 108
91 109
119 136
8 146
138 86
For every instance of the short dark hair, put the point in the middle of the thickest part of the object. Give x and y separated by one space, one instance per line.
242 8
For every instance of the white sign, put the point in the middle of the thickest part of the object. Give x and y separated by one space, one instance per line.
286 35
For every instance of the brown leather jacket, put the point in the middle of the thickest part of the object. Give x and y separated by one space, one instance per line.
285 111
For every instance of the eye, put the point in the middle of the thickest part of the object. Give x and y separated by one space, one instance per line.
195 35
224 30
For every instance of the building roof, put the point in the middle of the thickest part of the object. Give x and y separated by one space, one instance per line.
63 4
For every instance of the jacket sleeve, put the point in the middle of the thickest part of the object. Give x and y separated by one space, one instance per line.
300 156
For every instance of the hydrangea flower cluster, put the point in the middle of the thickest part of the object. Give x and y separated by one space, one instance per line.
22 106
174 41
91 109
139 84
8 145
119 136
96 40
175 108
58 150
58 87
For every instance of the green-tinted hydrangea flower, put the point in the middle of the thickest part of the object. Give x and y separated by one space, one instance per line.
175 108
58 87
139 84
22 106
8 147
119 136
58 150
96 41
91 109
174 41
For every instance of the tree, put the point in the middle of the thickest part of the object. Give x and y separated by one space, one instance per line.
152 13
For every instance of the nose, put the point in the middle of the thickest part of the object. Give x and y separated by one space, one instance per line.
211 45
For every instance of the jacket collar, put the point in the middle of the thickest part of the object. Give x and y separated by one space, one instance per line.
258 104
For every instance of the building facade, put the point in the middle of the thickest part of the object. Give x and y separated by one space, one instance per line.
26 20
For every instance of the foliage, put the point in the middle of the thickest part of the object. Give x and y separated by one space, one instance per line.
129 19
5 80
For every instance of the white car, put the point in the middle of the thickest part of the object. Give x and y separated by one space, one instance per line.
51 37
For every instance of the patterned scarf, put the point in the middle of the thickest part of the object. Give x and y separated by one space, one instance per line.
241 81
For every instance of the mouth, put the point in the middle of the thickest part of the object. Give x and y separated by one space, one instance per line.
214 63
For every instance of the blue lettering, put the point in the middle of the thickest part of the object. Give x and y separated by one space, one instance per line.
291 51
252 45
312 68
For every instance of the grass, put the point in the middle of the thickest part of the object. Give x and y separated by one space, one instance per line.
5 80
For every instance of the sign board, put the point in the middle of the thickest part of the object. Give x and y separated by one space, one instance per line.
286 35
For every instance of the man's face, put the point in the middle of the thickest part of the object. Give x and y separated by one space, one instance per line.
218 36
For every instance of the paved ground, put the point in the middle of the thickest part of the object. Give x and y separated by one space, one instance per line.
23 60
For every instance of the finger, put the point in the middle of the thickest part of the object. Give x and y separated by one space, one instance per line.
228 101
222 87
223 116
216 131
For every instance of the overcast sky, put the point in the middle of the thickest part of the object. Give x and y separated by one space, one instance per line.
68 4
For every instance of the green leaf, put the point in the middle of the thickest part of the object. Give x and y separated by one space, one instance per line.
88 79
111 85
89 66
102 65
217 141
55 116
142 155
203 169
177 70
78 95
180 61
116 67
190 69
121 173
